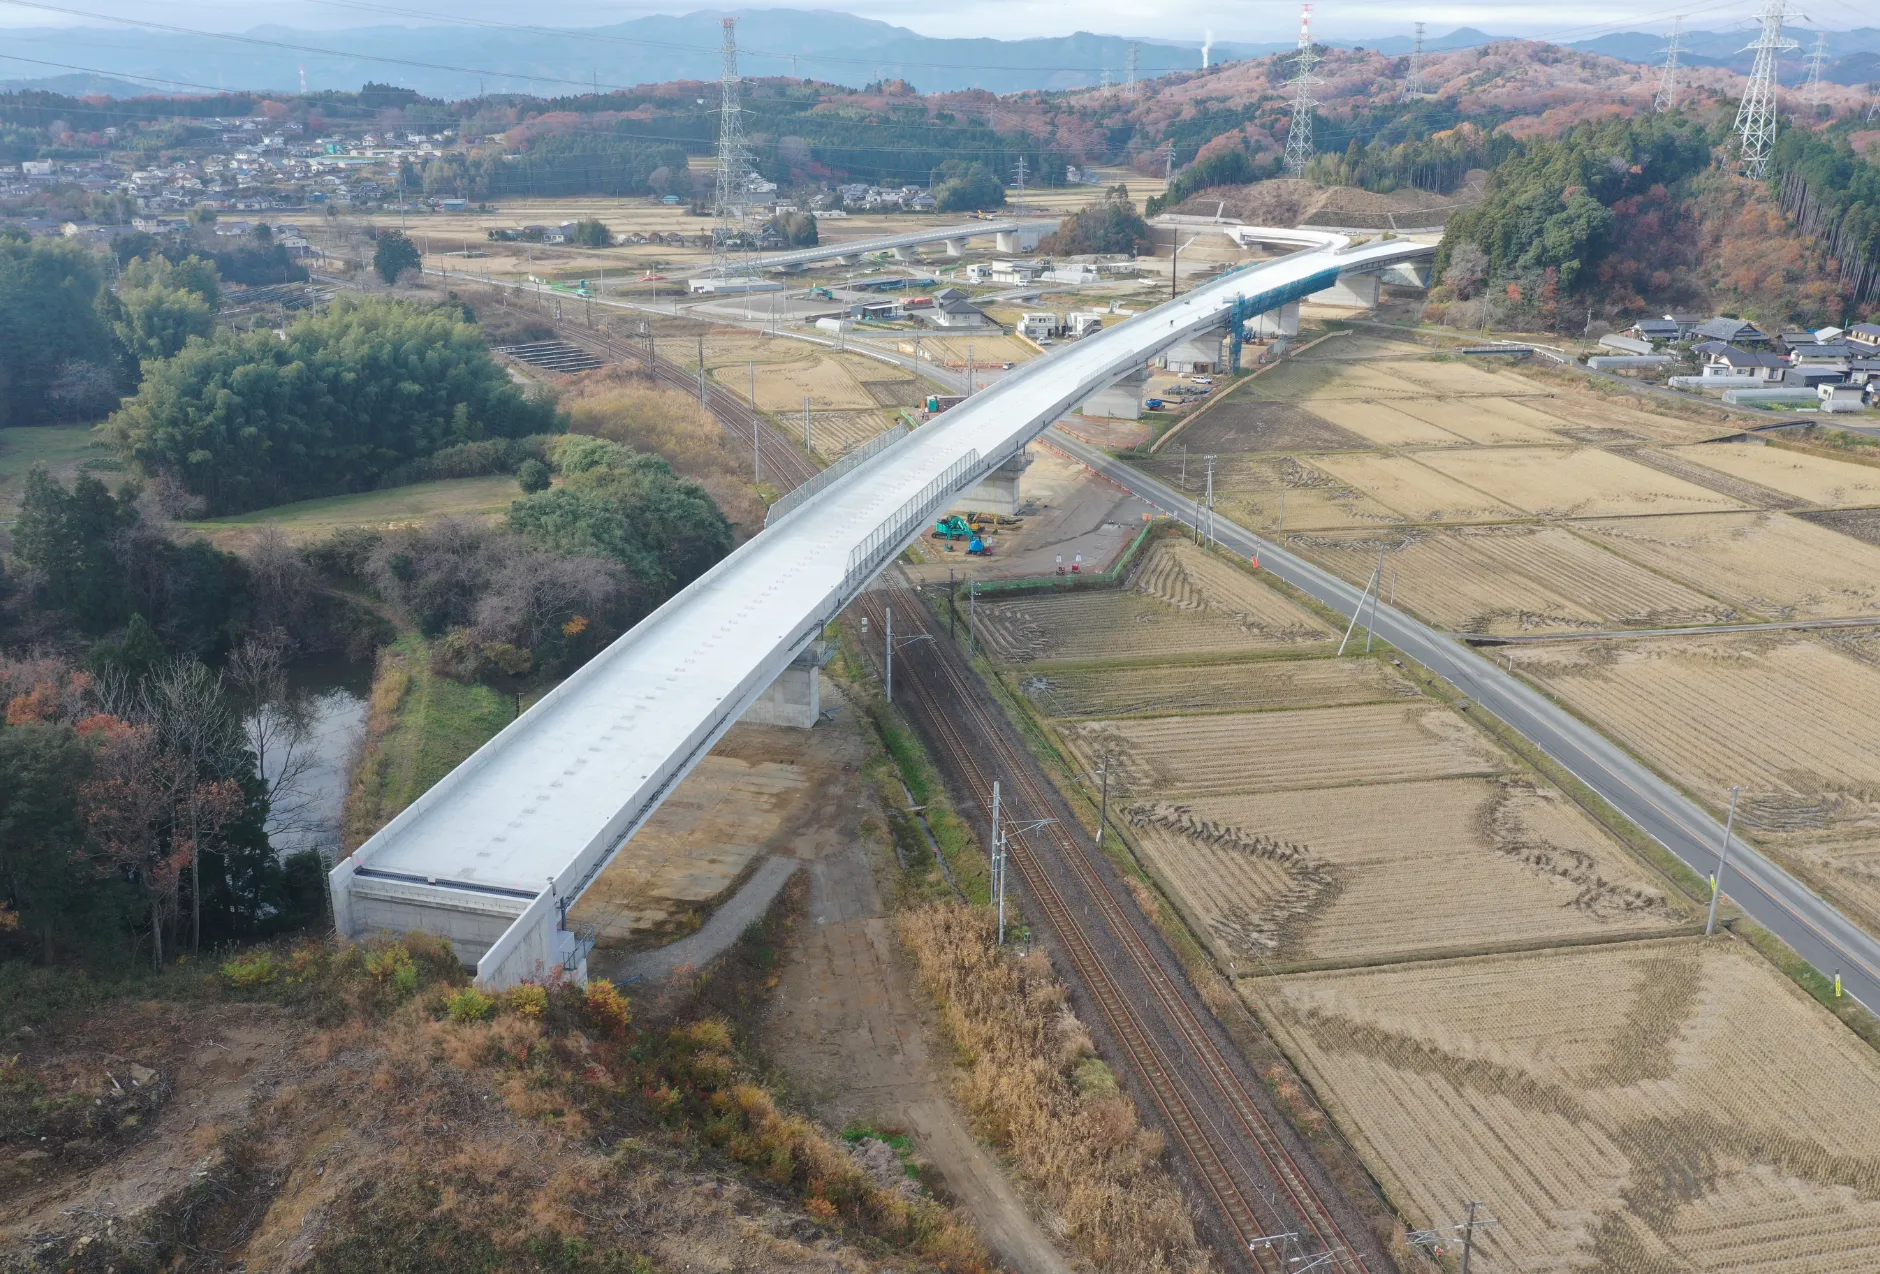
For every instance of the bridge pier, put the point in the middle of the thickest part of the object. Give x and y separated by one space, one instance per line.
1119 400
906 254
850 258
795 697
956 247
1352 288
999 492
1023 239
1281 322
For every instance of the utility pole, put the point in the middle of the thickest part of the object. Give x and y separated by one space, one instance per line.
1811 89
1359 609
1299 147
1370 629
807 427
1468 1236
1667 96
969 368
998 860
1756 117
1103 810
972 614
1413 82
1723 856
1174 256
1210 460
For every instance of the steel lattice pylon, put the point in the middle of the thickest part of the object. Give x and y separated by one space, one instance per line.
730 239
1756 117
1667 97
1299 147
1413 82
1811 90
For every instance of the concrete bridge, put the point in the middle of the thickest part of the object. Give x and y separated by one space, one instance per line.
1011 236
495 855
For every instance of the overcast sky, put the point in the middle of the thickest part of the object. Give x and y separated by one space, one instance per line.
1246 20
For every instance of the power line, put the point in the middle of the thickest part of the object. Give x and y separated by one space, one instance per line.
1667 96
1756 117
1299 148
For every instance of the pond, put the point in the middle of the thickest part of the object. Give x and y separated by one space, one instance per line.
306 742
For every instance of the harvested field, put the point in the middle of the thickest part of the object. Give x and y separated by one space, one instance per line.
1417 868
1591 412
1238 687
1646 1107
1179 601
1253 491
834 432
1414 489
1582 482
1775 566
986 349
1386 424
1172 757
1861 524
1252 424
1349 347
1679 464
1514 578
1464 378
1787 716
1819 480
1296 382
781 387
1488 422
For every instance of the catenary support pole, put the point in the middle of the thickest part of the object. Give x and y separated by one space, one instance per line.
887 639
1103 809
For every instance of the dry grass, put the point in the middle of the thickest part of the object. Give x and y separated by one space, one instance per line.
1788 717
1388 424
1181 600
1770 565
827 380
1573 483
612 404
834 433
1254 490
1411 869
1515 578
1582 411
1031 1089
1241 687
1821 480
1463 378
1488 422
1655 1107
1157 757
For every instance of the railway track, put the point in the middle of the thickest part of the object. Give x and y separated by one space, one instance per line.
1262 1180
1239 1154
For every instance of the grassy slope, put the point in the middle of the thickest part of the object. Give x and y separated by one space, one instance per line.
383 510
420 726
61 448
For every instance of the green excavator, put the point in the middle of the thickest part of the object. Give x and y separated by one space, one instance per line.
956 527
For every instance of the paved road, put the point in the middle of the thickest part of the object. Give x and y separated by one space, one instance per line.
1776 900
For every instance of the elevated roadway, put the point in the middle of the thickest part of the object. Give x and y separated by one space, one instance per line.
1773 898
902 245
496 853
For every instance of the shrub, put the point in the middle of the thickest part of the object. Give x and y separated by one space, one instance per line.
469 1005
529 1000
532 476
256 969
607 1009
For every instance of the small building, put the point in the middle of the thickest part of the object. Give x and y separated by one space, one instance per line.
979 272
1732 331
1014 272
1040 326
1842 398
1863 371
1076 274
1687 323
1655 331
1812 355
1725 363
948 294
1626 344
1867 334
1083 322
1790 337
1829 335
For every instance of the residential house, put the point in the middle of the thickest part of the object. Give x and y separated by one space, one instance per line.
958 314
948 294
1687 323
1014 272
1084 322
1656 331
1732 331
1626 344
1815 356
1039 326
1793 336
1725 363
1867 334
1863 371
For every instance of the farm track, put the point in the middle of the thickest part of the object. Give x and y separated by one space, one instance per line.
1237 1149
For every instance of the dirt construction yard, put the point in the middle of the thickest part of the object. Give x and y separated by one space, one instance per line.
1646 1107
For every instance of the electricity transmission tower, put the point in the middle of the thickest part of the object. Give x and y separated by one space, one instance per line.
1811 90
1413 82
1018 173
1756 117
1130 87
730 243
1873 102
1299 146
1667 98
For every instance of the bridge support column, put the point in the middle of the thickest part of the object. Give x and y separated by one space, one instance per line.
906 254
1352 288
999 493
795 697
1024 239
850 258
956 247
1121 400
1281 322
1407 274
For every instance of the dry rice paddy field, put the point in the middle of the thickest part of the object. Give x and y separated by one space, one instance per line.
1224 687
1820 480
1179 601
1581 482
834 433
1648 1107
1514 578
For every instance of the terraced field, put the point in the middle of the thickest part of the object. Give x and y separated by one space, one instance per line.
1647 1107
1228 687
1403 870
1768 564
1179 601
1179 757
1514 578
1487 422
1386 424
